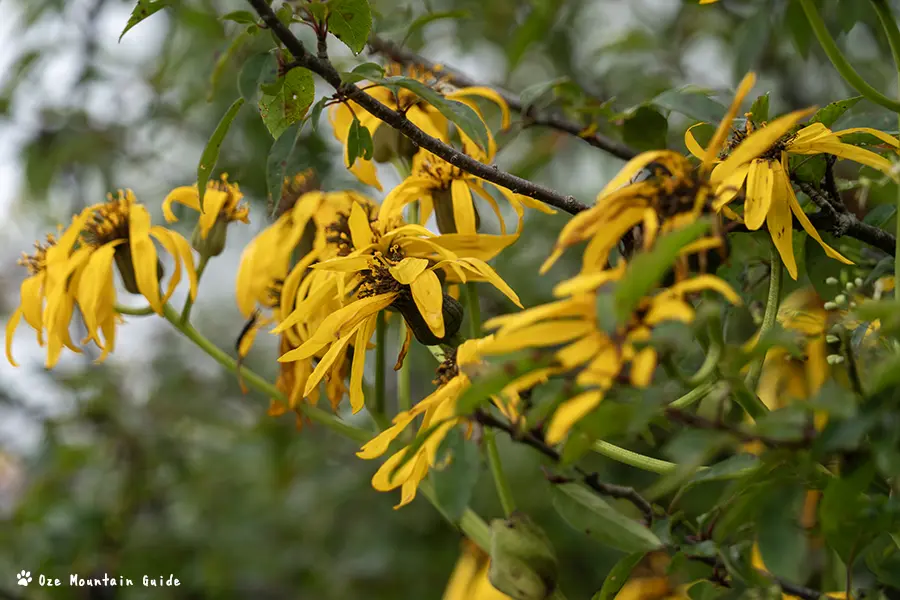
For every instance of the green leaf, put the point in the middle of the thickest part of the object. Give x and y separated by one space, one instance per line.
240 16
223 59
289 104
688 101
366 71
618 575
881 215
455 483
750 40
413 448
577 445
798 26
648 268
782 541
732 467
431 17
540 94
350 21
259 69
277 162
316 112
490 379
830 113
591 514
759 110
844 513
144 9
359 142
461 115
646 129
210 155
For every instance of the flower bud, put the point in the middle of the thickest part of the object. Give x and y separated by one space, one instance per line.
125 265
831 281
214 242
523 562
453 316
443 212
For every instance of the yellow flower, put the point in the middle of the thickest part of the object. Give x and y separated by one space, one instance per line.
676 193
222 203
769 195
650 581
388 264
469 580
46 281
448 191
597 357
423 115
439 413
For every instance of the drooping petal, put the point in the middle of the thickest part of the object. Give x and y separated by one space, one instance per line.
186 195
570 412
540 335
706 282
408 269
730 186
642 367
691 142
363 335
780 224
483 269
327 361
32 300
11 324
143 256
360 230
429 299
92 287
760 181
161 234
379 444
634 166
718 139
558 309
489 94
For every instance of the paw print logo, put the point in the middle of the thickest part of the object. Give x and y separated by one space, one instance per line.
24 577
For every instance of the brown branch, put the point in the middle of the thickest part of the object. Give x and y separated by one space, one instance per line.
398 120
590 479
698 422
534 117
786 586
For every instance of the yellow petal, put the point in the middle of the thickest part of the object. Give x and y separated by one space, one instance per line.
429 299
186 195
363 335
360 230
570 412
326 362
488 93
711 154
161 234
729 187
379 444
408 269
92 287
669 309
539 335
706 282
760 182
485 270
634 166
560 308
143 256
811 231
862 156
32 300
382 480
463 209
642 367
11 324
691 142
780 225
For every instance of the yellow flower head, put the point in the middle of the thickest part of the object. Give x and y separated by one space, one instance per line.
381 265
597 356
769 196
676 193
222 203
450 192
439 417
423 115
469 580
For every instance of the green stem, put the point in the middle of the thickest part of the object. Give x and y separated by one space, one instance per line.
314 414
776 270
504 492
377 408
709 366
889 24
692 397
633 459
189 302
840 62
135 312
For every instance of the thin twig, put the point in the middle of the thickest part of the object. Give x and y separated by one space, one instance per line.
698 422
786 586
398 120
591 480
401 55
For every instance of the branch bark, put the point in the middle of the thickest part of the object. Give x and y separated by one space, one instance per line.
554 121
398 120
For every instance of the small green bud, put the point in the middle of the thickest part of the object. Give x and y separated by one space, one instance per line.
832 339
858 281
831 306
214 242
840 299
831 281
523 562
834 359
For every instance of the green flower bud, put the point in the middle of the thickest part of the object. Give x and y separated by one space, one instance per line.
214 243
125 265
453 316
523 562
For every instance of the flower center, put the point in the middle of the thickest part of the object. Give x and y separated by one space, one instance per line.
233 209
109 222
447 370
739 135
378 279
37 262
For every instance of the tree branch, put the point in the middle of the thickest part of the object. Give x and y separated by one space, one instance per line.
398 120
591 480
403 56
843 222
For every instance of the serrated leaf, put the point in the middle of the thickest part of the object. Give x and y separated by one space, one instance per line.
759 110
646 129
648 268
259 69
210 155
455 483
592 515
289 104
143 10
618 575
350 21
830 113
240 16
277 162
461 115
690 102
